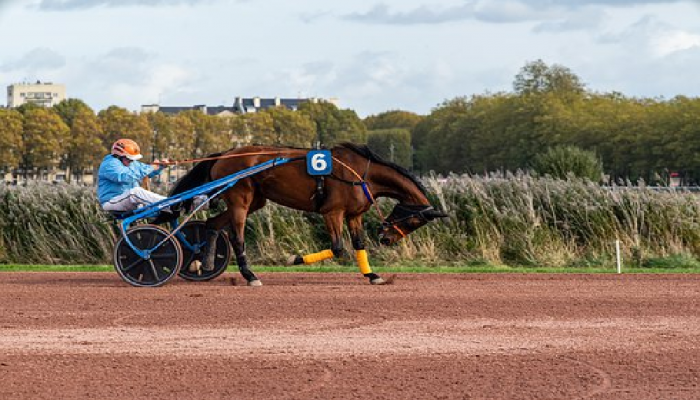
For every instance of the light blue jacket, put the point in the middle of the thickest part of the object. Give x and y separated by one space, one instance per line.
114 178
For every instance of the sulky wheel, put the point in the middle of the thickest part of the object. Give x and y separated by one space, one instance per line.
155 270
193 240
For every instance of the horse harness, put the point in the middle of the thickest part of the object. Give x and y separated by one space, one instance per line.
321 194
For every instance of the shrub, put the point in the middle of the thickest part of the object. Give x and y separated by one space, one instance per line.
563 161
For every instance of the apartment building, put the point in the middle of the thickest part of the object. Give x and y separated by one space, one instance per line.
240 105
45 94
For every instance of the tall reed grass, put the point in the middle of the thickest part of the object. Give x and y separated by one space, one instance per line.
513 219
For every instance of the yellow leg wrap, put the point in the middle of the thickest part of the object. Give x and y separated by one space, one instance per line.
316 257
363 262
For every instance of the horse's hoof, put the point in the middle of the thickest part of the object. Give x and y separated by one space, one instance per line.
255 282
378 281
295 260
207 267
195 266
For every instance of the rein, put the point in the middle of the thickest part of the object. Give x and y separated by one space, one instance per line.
196 160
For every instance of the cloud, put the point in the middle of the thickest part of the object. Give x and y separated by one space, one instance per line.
610 3
381 14
38 59
564 14
131 75
124 64
314 16
656 38
581 20
365 81
69 5
673 41
666 77
479 10
513 11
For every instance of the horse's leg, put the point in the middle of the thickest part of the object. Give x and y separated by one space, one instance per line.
214 226
357 234
241 203
334 224
238 217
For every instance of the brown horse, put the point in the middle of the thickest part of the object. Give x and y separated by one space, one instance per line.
359 176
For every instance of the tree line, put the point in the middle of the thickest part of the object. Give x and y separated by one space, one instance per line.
549 108
72 136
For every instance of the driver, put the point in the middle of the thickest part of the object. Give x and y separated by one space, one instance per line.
119 176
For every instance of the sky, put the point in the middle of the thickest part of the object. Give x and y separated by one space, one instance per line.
372 55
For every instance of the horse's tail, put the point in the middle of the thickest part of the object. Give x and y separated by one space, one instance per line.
198 176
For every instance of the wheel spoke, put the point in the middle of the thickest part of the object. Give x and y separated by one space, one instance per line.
154 270
195 231
132 265
163 256
153 241
139 239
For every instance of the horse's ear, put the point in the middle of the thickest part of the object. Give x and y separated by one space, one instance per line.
433 214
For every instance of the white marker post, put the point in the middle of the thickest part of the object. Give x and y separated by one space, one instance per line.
618 256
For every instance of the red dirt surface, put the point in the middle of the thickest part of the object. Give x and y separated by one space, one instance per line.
328 336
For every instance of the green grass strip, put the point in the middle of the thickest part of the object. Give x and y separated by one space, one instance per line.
683 269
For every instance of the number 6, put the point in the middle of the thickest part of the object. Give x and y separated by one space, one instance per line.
318 163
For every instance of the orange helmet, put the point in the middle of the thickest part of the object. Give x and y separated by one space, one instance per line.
127 148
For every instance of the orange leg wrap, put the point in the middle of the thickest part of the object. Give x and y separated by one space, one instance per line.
363 262
316 257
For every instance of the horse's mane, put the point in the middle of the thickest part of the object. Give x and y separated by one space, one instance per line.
199 175
365 151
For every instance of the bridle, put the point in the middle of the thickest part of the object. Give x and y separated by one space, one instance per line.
406 212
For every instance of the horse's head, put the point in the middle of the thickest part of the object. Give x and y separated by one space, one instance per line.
405 219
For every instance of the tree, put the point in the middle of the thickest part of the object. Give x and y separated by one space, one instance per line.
254 128
183 134
333 125
84 148
69 108
393 119
27 107
434 137
118 123
163 134
211 133
537 77
291 128
10 138
44 137
351 128
392 144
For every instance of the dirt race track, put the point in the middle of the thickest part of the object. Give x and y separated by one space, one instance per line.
327 336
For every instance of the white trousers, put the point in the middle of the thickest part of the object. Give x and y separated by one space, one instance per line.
131 200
